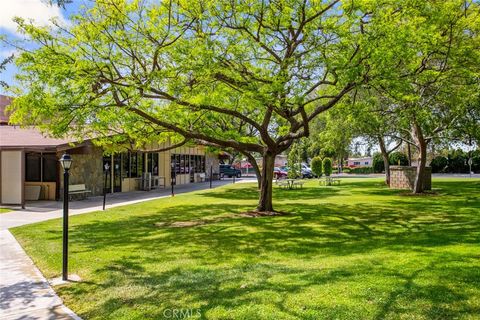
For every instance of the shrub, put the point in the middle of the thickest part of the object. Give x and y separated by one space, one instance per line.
327 166
377 163
439 164
362 170
316 166
398 158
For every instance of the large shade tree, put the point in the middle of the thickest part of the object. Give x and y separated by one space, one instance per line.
246 75
430 94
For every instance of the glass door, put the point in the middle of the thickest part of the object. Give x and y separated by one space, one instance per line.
117 173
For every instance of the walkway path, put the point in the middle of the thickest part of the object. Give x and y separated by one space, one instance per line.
37 211
24 292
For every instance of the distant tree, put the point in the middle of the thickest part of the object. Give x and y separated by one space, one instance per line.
457 161
327 166
294 161
373 120
377 163
316 166
398 159
332 134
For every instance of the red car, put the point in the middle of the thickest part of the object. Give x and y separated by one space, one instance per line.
279 173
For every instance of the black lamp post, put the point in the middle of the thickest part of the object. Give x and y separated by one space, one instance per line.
66 162
106 167
173 181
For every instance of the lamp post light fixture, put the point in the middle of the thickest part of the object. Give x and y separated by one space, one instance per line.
66 161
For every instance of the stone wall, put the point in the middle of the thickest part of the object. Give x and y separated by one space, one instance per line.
211 160
403 177
87 169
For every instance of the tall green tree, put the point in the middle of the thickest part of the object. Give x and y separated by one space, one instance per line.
246 75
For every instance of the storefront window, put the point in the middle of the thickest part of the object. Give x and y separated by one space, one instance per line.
140 163
126 165
193 168
133 165
41 167
49 166
33 167
152 163
184 163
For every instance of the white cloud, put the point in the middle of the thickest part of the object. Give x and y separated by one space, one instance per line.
37 10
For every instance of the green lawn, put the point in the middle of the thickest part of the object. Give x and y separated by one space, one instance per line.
357 251
5 210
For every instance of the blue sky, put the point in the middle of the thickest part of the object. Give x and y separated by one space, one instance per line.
40 12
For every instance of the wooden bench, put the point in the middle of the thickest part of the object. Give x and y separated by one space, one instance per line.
78 189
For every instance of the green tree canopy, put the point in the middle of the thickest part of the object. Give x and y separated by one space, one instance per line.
246 75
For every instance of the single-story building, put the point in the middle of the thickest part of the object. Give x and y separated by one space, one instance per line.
30 170
360 162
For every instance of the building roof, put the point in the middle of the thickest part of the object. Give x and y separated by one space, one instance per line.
16 137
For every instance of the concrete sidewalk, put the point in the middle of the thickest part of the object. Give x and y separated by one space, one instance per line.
36 211
24 292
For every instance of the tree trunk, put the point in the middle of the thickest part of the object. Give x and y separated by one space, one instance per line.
253 162
409 154
386 162
422 158
265 202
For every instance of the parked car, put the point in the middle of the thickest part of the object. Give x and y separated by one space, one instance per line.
229 171
306 171
278 173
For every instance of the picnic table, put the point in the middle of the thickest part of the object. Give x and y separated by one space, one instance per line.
289 183
328 181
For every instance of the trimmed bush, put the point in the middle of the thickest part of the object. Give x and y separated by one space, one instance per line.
327 166
362 170
316 166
